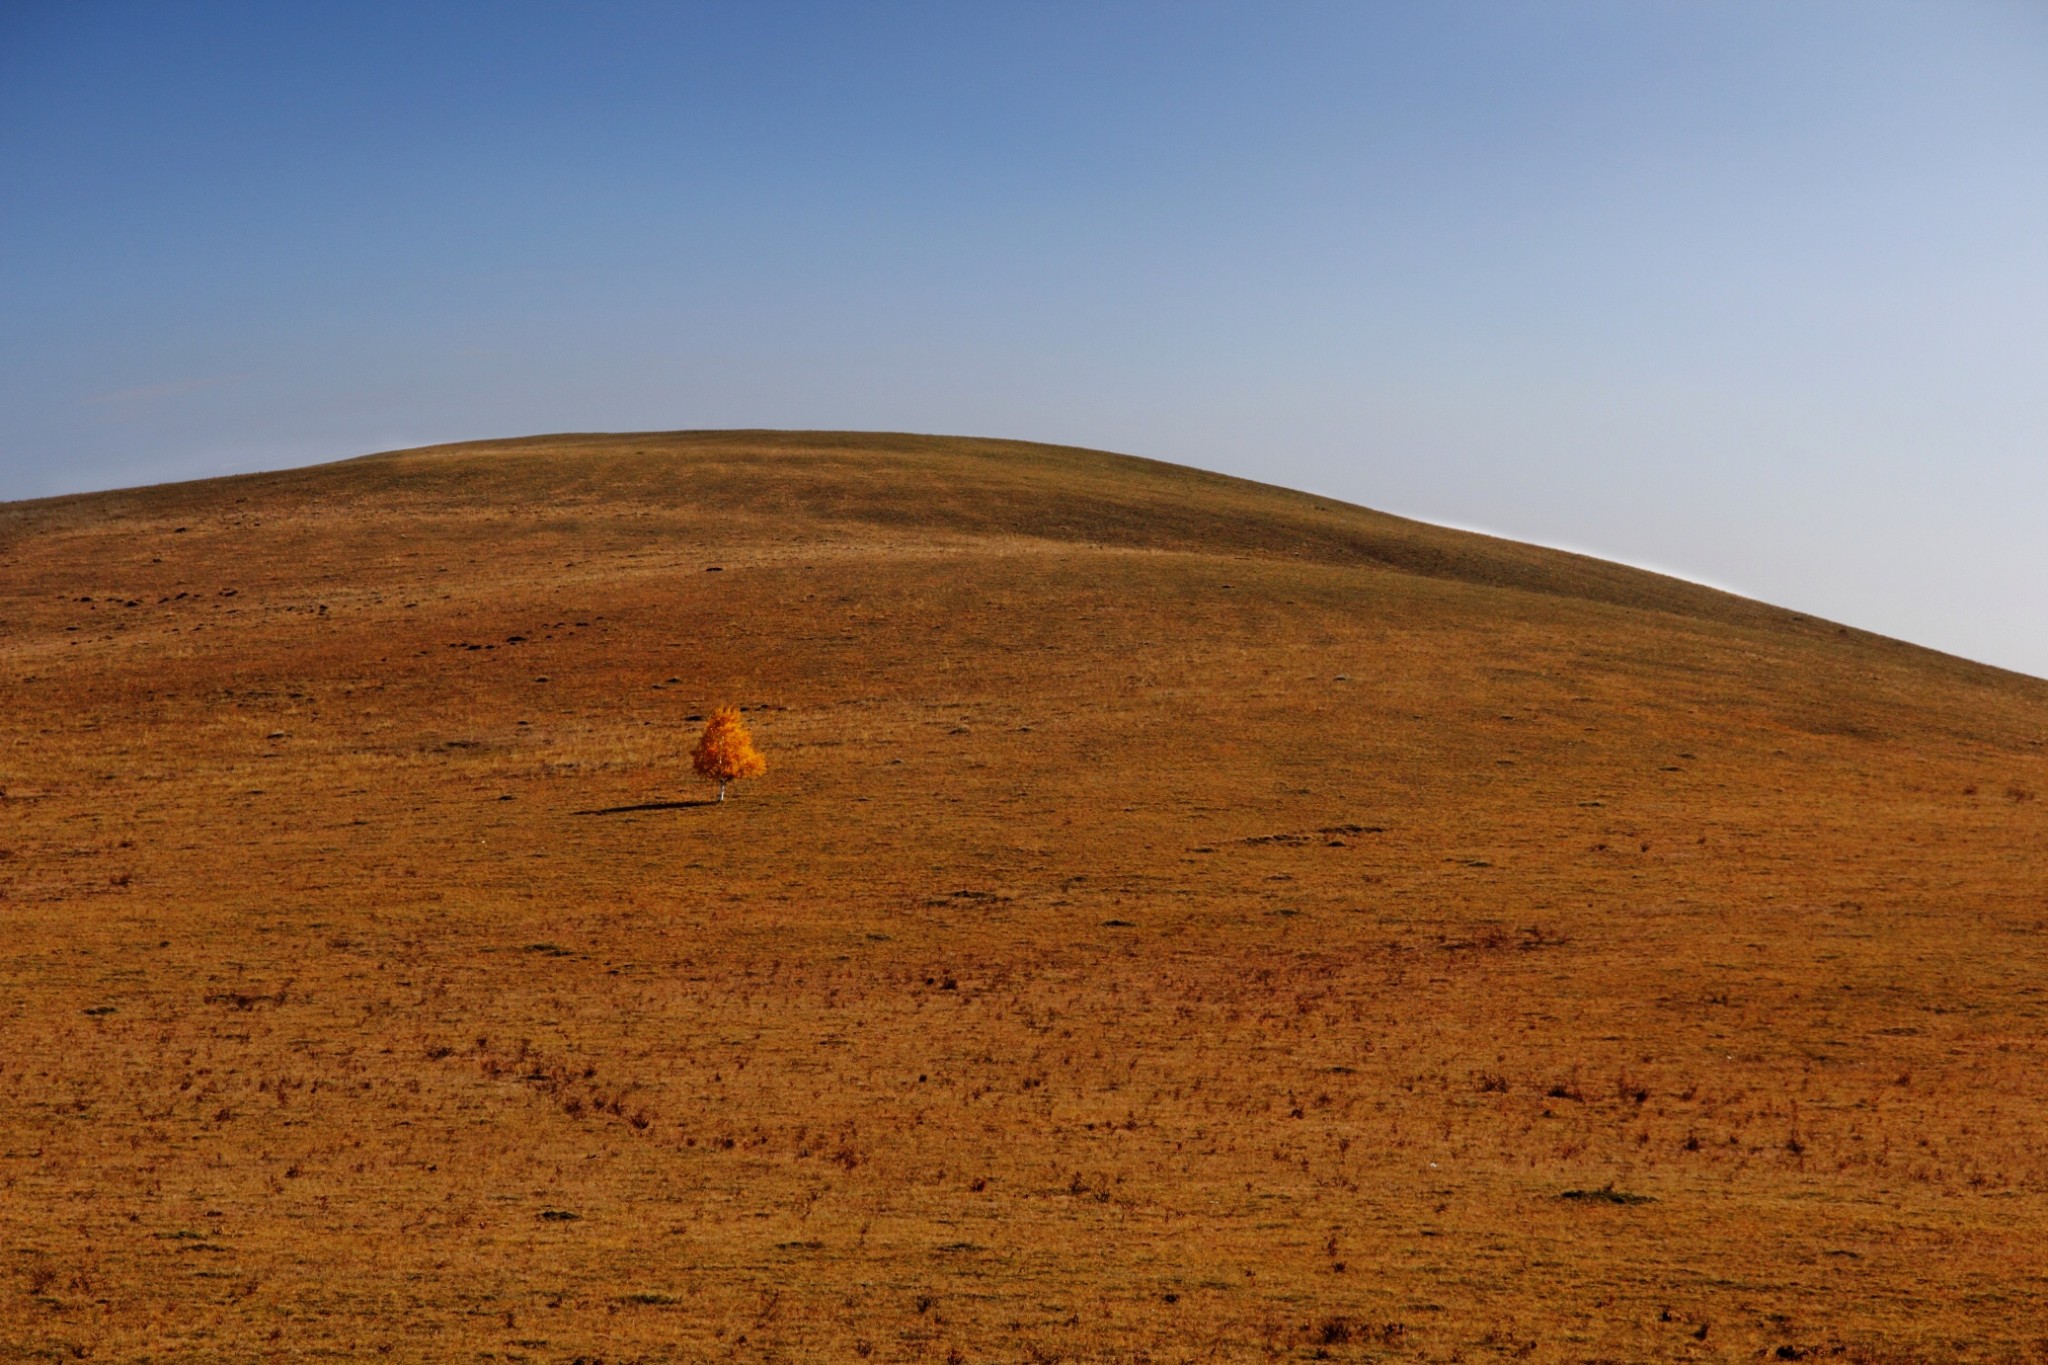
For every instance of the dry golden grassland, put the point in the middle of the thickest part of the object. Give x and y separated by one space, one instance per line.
1182 920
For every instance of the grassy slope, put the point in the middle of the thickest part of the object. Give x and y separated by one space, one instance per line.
1182 917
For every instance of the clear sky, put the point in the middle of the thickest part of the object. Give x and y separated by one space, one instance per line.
1753 292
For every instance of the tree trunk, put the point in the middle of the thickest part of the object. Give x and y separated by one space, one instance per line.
721 791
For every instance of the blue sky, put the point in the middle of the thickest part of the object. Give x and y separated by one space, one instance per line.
1755 293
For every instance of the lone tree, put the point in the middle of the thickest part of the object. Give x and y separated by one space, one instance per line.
725 752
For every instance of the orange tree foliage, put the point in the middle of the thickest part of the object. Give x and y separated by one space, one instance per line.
725 752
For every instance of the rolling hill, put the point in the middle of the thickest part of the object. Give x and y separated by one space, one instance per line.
1182 919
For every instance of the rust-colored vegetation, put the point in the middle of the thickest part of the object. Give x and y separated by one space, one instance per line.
725 752
1186 920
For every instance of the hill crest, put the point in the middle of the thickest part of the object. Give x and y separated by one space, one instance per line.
950 485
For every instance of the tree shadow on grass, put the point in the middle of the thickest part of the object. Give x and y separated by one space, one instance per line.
646 805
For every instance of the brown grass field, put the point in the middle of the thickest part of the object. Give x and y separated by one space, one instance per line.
1182 920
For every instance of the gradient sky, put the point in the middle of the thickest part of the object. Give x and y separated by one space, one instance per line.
1754 293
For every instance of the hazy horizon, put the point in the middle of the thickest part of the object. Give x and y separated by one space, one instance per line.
1750 294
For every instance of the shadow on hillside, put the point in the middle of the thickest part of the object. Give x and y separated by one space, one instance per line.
646 805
